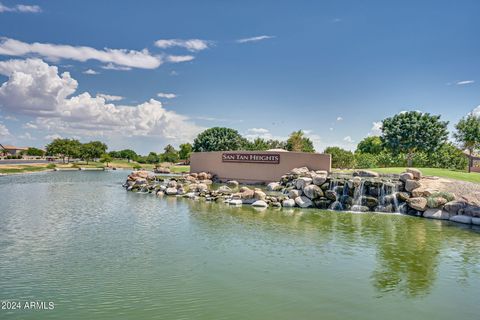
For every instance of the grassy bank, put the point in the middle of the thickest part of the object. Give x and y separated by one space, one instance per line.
444 173
12 169
121 164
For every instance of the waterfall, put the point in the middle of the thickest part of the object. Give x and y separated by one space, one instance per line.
358 193
336 205
388 197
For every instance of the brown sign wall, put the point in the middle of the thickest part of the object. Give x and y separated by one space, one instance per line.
251 166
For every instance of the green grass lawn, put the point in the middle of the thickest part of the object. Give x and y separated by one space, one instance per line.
179 169
22 169
444 173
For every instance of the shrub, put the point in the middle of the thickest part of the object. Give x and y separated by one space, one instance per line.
341 158
365 160
137 167
387 159
446 195
51 166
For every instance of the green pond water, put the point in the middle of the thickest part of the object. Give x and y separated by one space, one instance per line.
80 240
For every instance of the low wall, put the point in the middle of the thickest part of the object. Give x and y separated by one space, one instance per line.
256 166
475 162
475 169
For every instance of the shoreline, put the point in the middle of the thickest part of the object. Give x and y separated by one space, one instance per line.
363 191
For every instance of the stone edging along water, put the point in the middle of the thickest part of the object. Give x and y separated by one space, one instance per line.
361 191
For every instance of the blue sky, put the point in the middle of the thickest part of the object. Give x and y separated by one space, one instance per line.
265 68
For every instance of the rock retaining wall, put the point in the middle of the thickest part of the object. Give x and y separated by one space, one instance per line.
361 191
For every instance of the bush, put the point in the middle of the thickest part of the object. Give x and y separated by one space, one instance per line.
449 157
386 159
341 158
446 195
137 167
51 166
365 160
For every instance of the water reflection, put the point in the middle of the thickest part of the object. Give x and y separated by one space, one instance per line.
407 249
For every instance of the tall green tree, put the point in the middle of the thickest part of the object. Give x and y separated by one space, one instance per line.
371 145
258 144
276 144
35 152
92 150
341 158
219 139
169 154
115 154
185 151
299 143
106 158
413 131
468 135
128 154
152 158
65 148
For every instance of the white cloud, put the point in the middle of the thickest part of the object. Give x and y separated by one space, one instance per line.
27 136
28 8
254 133
36 89
463 82
376 129
30 125
109 97
189 44
111 66
166 95
121 57
254 39
257 130
4 131
476 111
177 59
11 118
348 139
339 118
20 8
331 128
90 71
174 73
52 136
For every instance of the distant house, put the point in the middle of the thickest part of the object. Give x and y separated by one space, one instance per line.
12 150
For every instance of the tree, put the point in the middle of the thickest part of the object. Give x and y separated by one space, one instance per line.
299 143
92 150
170 154
185 151
152 158
258 144
276 144
128 154
365 160
371 145
34 152
106 158
115 154
413 131
341 158
219 139
65 148
468 134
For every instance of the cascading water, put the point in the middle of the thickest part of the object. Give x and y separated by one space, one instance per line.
358 194
336 205
388 201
